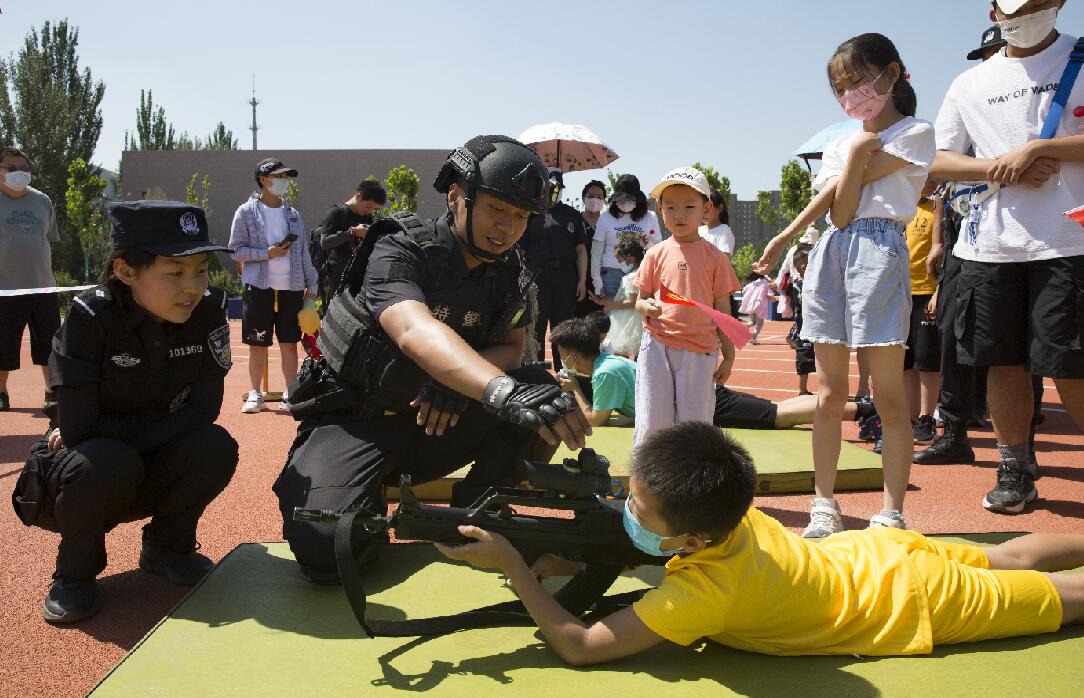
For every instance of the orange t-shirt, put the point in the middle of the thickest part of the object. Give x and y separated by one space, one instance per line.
696 270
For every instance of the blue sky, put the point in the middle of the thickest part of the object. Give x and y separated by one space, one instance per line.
737 85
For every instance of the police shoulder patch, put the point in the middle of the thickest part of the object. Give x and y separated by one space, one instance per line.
218 341
93 300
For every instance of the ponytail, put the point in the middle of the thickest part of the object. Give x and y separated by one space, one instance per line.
903 95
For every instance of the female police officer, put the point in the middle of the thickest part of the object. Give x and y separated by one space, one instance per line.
427 333
137 369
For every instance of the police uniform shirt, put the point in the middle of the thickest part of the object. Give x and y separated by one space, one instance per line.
554 235
118 373
470 301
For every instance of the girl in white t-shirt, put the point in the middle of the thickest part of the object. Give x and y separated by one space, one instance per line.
626 325
627 218
857 287
716 228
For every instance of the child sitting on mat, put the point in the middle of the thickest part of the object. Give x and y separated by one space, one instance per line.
737 577
678 359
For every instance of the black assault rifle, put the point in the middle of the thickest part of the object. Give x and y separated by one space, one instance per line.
595 535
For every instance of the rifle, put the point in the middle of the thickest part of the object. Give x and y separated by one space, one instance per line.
594 535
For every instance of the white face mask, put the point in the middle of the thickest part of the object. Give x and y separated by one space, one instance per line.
278 187
626 206
627 268
17 180
1029 30
592 205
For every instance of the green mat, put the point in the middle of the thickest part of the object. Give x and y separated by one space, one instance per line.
784 460
254 627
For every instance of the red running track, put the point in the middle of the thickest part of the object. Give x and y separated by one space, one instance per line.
40 660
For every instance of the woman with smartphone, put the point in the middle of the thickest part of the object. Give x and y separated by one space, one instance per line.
270 242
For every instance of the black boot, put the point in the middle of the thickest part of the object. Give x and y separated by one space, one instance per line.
951 447
182 569
70 600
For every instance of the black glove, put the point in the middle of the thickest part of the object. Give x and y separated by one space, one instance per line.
525 404
442 398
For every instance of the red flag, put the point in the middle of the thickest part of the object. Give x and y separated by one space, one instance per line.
1077 214
732 327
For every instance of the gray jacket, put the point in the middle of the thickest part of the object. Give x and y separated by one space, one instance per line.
248 240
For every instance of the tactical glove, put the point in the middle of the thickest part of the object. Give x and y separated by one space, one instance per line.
527 405
442 398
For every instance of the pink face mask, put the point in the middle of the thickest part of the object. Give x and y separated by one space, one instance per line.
864 102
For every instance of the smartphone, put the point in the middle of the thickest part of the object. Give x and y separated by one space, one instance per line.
288 239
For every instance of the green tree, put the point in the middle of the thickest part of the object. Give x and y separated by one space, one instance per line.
198 192
220 139
402 186
51 109
716 180
768 210
293 190
611 178
795 190
743 259
153 132
83 205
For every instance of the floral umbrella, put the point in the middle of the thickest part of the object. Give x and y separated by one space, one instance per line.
569 147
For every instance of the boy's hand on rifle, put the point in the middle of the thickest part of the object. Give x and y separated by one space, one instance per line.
550 565
491 551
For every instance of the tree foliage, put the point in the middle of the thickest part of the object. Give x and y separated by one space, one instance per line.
153 131
198 192
83 204
768 210
51 110
293 191
795 190
743 259
402 186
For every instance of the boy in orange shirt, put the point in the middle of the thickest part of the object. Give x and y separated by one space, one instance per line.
679 353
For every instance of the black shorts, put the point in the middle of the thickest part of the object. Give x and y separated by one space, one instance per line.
735 410
1026 314
259 316
41 313
924 340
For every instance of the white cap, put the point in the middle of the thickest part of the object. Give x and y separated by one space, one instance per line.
1011 6
689 176
810 236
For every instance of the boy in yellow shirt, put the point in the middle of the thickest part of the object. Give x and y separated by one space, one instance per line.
739 578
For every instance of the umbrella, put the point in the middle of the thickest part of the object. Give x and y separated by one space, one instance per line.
813 148
569 147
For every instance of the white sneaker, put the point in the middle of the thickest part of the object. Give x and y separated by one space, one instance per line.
824 519
253 403
284 403
888 518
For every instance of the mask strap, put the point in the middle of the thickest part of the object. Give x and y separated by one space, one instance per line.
474 249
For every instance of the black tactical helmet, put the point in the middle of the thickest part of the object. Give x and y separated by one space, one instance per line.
500 166
503 167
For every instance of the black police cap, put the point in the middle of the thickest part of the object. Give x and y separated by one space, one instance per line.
990 38
166 228
272 166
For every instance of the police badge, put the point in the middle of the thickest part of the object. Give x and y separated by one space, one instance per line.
219 342
189 224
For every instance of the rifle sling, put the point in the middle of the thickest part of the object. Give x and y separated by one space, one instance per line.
584 591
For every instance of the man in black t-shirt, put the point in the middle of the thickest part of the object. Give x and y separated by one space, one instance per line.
343 228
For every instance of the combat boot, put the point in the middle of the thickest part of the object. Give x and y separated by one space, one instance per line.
951 447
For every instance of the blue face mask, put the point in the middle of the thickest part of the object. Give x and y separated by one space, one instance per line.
645 540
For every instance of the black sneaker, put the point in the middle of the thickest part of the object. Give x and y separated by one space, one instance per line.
1015 490
925 430
70 600
951 447
182 569
5 402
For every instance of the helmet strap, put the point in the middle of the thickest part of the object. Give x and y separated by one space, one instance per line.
478 252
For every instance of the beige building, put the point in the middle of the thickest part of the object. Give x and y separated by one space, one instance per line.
325 177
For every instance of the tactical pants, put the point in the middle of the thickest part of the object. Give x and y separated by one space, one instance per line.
100 483
556 303
963 388
346 465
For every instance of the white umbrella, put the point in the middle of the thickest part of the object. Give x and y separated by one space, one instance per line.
569 147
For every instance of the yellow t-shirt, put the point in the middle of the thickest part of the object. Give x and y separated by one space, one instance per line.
919 243
767 590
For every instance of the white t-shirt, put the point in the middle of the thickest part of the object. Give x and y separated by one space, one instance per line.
609 229
721 236
895 196
995 107
276 228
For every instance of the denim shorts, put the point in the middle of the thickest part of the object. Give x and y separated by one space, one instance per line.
857 286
